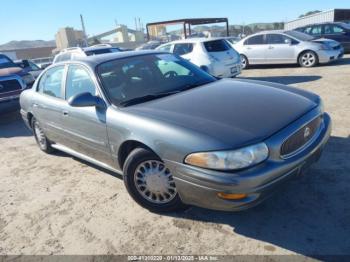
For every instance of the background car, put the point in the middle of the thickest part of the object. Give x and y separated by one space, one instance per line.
215 56
9 68
29 67
287 47
150 45
337 31
11 86
75 52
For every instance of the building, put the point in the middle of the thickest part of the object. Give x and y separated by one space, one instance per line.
69 37
29 53
335 15
157 31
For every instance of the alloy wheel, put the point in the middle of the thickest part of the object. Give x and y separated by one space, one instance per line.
40 136
308 59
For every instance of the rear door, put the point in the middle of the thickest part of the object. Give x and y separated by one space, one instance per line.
85 127
48 103
281 49
184 50
255 48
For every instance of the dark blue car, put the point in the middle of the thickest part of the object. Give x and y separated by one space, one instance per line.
337 31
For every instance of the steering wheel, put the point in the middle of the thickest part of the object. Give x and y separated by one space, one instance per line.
170 74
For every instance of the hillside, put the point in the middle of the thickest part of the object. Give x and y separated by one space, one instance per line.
27 44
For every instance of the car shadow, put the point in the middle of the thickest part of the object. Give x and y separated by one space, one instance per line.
12 125
309 216
287 80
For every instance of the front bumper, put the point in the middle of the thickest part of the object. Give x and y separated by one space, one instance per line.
326 56
199 187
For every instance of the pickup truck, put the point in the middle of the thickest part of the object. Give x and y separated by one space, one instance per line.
13 80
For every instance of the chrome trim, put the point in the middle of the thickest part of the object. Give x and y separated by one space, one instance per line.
303 147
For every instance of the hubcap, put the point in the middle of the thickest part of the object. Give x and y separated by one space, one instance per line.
154 182
308 59
243 62
40 135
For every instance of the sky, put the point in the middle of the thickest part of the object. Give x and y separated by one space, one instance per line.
40 19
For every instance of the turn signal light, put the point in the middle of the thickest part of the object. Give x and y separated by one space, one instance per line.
232 196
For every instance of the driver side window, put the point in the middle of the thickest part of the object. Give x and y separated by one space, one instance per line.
78 82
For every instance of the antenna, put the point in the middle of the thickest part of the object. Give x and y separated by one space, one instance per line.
84 31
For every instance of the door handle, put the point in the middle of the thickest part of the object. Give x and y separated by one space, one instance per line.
65 113
249 48
271 47
35 105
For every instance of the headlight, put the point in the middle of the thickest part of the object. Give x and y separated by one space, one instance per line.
325 47
28 79
230 160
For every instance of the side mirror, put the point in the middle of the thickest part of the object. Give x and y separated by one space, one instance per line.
25 63
85 100
288 41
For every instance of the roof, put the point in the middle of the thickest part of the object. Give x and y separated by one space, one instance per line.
192 21
195 40
98 59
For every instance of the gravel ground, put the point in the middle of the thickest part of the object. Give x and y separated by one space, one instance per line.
56 204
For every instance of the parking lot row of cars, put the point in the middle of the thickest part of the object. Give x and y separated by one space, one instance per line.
221 57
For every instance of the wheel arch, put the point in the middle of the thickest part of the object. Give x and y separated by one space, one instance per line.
127 147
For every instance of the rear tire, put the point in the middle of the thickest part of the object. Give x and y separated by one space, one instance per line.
150 183
42 141
244 62
308 59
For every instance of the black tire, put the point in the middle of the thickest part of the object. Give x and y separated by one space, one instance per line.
136 158
40 138
244 61
308 59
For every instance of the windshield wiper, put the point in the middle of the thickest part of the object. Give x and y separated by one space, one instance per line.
195 84
146 98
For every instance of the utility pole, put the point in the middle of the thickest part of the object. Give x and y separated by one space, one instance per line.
84 31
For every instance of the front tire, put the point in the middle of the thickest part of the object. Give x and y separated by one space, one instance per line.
150 183
42 141
308 59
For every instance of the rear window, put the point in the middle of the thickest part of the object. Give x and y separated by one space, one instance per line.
216 46
102 51
255 40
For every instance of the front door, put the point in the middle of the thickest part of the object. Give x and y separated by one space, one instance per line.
280 50
86 130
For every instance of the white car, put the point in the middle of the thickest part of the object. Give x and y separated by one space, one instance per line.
215 56
287 47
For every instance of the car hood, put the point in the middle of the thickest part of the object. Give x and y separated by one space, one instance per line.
234 112
326 41
11 71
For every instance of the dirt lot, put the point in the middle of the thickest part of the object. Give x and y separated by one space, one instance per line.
55 204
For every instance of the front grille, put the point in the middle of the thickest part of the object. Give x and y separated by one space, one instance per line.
10 85
301 137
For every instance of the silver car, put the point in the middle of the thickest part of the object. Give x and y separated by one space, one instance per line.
287 47
178 135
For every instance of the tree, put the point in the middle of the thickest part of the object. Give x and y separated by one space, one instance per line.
310 13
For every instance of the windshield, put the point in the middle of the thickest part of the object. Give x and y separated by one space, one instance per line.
149 76
6 62
300 36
